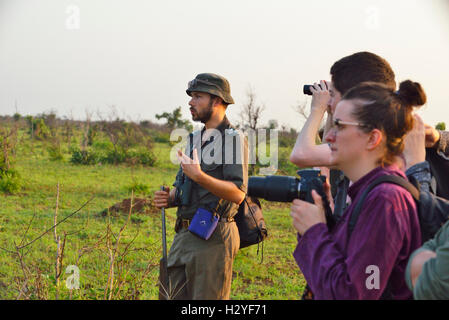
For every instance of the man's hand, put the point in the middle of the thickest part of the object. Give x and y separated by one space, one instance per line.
414 144
190 167
432 136
320 96
223 189
306 215
161 198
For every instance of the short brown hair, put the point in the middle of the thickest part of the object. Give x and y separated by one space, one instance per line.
360 67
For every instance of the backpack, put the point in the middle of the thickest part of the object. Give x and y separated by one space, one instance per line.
250 222
433 211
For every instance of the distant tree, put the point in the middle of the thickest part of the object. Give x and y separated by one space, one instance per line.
273 124
10 180
441 126
17 116
250 114
68 129
174 120
37 128
251 111
86 130
50 121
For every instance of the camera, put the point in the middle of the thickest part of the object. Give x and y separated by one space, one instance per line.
288 188
183 192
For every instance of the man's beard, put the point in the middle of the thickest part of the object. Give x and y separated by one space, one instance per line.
205 115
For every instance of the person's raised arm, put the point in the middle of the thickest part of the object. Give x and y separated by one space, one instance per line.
306 153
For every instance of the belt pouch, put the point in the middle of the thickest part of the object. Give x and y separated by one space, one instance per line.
203 223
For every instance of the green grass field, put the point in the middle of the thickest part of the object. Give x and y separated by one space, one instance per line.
91 237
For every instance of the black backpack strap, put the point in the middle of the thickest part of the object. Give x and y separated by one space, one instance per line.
255 222
383 179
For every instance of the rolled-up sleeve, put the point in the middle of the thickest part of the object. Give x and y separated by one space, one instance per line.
433 282
235 166
443 145
421 172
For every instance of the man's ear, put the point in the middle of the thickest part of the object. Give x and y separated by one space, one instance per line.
374 139
217 101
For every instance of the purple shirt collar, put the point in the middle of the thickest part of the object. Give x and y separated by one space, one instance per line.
354 189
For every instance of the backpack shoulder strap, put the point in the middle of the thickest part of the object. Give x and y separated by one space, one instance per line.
382 179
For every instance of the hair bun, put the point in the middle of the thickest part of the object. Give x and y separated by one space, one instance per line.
411 93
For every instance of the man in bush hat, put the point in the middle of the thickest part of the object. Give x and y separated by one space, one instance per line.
213 176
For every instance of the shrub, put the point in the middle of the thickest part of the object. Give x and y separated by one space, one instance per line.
10 181
441 126
55 153
284 165
138 188
114 157
143 157
85 157
162 137
54 150
103 153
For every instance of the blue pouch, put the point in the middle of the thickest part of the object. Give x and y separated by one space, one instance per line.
203 223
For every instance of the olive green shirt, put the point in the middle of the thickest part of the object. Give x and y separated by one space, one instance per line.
224 156
433 282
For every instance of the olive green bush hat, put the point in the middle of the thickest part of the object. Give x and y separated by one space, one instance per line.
213 84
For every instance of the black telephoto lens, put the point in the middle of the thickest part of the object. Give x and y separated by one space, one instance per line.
274 188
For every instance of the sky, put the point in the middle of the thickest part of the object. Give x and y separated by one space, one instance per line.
88 55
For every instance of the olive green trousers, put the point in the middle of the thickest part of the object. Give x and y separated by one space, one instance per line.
202 269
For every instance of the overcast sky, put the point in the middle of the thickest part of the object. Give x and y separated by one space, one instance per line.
72 56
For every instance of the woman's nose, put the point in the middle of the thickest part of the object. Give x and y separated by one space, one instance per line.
330 135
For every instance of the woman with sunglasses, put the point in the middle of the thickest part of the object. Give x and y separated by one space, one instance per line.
369 262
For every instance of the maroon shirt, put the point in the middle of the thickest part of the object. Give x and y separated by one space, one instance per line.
337 266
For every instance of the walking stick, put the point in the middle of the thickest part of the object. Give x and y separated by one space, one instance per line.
163 269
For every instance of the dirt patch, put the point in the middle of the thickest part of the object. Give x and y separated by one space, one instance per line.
139 205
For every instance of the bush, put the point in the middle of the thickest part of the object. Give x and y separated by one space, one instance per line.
103 153
138 188
85 157
114 157
162 137
10 181
55 153
441 126
103 145
143 157
284 165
